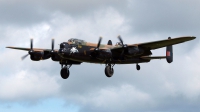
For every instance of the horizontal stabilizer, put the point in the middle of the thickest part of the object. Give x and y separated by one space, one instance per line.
153 57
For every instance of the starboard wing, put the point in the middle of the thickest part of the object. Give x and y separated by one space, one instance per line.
117 50
164 43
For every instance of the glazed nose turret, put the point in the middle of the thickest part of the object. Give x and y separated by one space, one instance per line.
64 48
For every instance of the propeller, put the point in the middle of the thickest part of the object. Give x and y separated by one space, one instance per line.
31 50
120 39
52 46
23 57
99 43
123 45
96 50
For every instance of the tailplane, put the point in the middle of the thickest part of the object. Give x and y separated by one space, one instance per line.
153 57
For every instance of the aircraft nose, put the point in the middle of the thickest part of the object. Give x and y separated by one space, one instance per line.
64 49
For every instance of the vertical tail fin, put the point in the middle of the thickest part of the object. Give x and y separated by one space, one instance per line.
169 53
109 42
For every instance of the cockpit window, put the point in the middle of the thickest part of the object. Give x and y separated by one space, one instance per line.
76 41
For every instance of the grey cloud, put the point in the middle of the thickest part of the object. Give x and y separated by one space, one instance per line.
23 13
164 16
164 87
76 6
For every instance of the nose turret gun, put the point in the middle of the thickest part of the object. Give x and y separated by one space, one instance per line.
64 49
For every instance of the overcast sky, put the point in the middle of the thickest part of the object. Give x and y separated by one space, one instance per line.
157 87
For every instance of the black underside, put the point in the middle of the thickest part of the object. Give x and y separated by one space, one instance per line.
120 56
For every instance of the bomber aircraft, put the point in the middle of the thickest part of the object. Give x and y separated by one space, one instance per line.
76 51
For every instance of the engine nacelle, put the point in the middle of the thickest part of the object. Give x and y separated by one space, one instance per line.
106 54
55 57
103 54
135 51
37 56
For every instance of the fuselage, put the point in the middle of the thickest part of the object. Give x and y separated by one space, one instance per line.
82 52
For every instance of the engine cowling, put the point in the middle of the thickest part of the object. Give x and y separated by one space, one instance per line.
55 57
37 56
102 54
135 51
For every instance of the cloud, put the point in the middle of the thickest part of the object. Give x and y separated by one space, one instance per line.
164 16
159 86
23 13
25 86
124 98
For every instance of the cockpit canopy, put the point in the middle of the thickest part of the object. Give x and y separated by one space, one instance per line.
76 41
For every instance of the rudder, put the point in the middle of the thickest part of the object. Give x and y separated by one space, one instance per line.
169 53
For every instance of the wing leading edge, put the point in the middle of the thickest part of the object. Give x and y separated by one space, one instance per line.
28 49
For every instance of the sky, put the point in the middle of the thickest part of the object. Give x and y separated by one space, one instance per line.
158 87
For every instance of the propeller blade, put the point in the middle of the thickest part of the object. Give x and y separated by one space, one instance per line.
31 44
120 39
123 45
23 57
52 44
99 43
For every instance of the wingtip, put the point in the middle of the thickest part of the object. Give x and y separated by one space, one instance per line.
8 47
189 37
193 37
